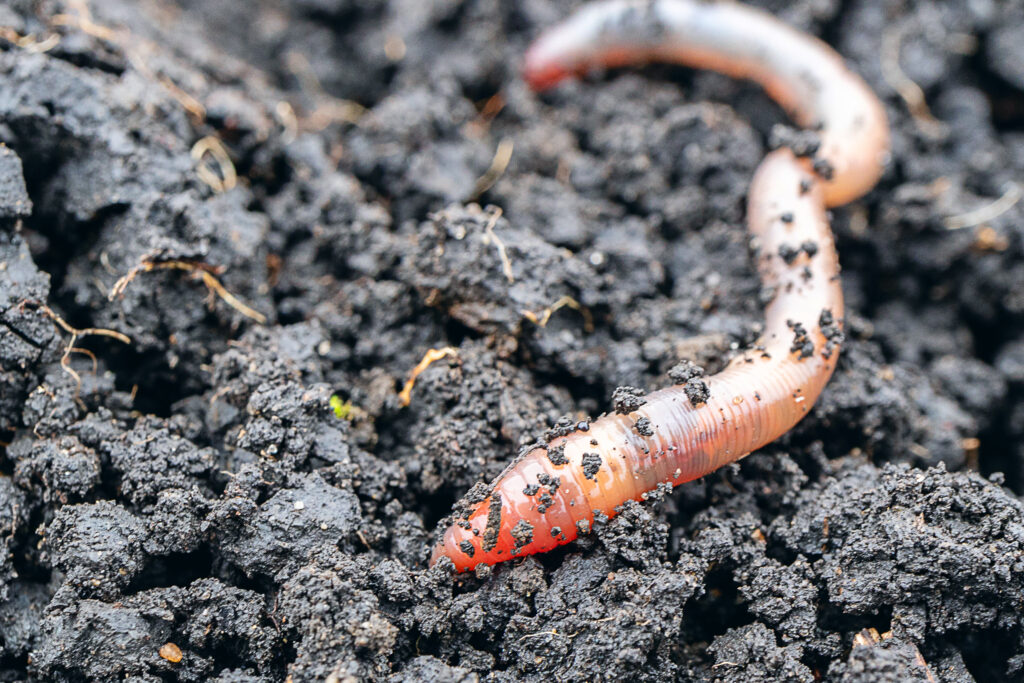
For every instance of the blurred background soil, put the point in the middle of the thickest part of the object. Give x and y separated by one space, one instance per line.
215 216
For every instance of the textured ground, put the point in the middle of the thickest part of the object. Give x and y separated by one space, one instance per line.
194 487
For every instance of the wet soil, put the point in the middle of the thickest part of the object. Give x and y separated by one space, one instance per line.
277 203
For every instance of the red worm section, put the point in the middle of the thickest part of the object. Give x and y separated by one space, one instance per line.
551 494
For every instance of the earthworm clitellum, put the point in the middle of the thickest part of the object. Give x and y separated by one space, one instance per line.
551 493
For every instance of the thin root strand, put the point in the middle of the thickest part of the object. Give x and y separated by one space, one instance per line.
201 270
405 396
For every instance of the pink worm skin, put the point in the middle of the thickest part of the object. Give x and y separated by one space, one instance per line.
551 494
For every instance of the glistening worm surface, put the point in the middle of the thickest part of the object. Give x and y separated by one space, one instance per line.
551 494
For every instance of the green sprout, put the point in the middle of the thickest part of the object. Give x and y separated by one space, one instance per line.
342 409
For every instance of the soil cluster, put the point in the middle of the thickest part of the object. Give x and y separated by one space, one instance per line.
230 230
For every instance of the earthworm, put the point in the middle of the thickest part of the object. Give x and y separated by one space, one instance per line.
553 492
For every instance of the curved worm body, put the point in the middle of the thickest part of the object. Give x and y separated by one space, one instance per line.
551 494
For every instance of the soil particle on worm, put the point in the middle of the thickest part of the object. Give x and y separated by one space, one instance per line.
556 454
684 371
697 391
195 486
522 534
626 400
643 427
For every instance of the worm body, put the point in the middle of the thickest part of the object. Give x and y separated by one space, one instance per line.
551 494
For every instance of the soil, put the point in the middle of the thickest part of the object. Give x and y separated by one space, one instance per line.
189 503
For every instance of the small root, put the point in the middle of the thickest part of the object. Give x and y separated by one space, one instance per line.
76 334
405 396
491 108
227 178
202 271
502 157
986 213
328 109
86 332
193 107
566 301
29 42
907 89
971 445
82 20
289 121
506 262
333 111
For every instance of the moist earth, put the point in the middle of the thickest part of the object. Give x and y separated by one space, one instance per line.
230 231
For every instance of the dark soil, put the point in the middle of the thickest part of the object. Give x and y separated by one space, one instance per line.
195 487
